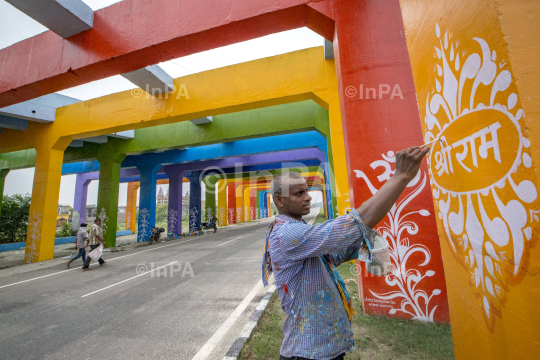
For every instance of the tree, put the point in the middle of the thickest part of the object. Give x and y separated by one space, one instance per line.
162 212
14 218
65 230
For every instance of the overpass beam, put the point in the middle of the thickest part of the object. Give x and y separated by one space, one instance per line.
152 79
63 17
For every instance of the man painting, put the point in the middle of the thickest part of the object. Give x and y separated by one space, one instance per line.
304 258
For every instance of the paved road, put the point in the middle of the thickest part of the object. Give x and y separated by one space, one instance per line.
111 313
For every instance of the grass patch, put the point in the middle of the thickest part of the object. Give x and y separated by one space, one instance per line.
375 337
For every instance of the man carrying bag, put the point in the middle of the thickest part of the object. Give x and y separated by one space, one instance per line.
95 240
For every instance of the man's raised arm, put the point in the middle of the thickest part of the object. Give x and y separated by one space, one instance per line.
408 163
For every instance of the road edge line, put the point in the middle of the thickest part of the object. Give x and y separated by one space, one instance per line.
238 344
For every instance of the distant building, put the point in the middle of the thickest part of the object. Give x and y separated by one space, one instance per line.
161 198
185 204
91 214
62 215
121 214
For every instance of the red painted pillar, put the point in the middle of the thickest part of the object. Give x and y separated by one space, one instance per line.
380 117
231 203
252 194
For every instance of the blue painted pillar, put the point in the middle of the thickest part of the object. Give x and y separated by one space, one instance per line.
263 204
329 206
174 220
147 200
194 200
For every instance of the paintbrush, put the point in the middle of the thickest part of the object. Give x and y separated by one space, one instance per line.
429 143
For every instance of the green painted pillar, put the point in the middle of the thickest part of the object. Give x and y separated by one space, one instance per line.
109 187
210 196
3 174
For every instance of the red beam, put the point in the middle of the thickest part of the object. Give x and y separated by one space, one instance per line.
133 34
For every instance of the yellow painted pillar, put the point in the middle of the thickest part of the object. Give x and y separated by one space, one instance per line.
269 205
45 192
476 74
246 202
239 202
338 142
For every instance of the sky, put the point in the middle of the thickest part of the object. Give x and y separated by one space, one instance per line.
16 26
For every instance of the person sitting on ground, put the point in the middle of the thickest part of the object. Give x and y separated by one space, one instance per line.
213 222
94 240
303 259
81 244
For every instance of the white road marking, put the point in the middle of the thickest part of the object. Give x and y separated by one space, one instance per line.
140 252
123 281
116 258
229 241
207 349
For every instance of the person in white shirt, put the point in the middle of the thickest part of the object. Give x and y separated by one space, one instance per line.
94 240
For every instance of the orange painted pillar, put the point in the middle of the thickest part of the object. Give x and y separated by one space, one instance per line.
131 205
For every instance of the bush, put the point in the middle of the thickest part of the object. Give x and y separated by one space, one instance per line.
14 218
65 230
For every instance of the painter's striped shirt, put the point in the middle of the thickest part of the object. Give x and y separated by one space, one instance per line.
317 325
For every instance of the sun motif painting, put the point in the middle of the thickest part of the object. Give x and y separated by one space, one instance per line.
481 171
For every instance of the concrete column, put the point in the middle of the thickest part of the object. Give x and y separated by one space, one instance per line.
258 208
174 221
222 202
79 203
263 203
210 196
45 192
131 205
269 204
240 213
383 126
194 201
147 202
341 190
231 203
253 204
3 174
107 204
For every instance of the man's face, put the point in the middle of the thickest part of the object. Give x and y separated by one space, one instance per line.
295 202
98 223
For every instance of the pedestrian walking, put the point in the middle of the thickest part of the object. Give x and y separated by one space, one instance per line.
94 240
80 243
213 223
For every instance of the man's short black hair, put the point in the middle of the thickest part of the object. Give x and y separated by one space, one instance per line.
84 225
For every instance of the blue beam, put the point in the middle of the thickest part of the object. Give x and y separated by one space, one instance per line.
269 144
